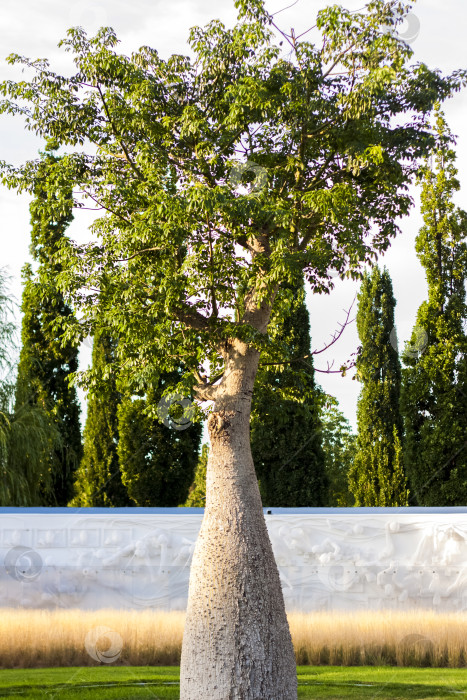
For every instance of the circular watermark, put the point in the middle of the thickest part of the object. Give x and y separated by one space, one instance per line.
417 344
408 31
23 563
416 644
176 412
339 577
87 342
250 175
99 637
87 15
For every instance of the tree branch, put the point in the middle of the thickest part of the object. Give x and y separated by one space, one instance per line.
138 252
119 139
115 213
337 334
191 318
335 338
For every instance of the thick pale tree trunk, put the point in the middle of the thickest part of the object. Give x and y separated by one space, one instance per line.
237 644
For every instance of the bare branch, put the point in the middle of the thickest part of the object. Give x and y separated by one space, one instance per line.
138 252
284 8
342 370
337 334
286 36
111 211
335 337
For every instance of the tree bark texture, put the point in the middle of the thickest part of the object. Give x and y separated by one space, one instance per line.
236 644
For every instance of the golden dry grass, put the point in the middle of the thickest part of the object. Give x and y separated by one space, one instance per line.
37 638
419 638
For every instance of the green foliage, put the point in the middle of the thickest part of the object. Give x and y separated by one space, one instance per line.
285 425
45 362
435 379
197 494
337 150
7 330
339 447
98 479
26 430
376 477
157 462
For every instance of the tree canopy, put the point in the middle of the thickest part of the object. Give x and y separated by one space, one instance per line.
329 136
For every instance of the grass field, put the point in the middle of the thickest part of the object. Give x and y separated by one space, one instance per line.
133 683
38 638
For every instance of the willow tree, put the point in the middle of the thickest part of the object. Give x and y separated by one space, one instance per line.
26 430
241 167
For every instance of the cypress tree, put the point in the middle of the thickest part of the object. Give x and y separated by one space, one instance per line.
99 480
157 461
377 477
45 361
339 446
435 378
285 425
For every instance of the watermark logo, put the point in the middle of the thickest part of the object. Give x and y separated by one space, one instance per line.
250 175
176 411
23 563
103 644
408 31
417 345
415 648
87 342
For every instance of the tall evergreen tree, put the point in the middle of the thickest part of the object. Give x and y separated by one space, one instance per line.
377 477
45 361
157 461
435 379
339 446
285 425
98 479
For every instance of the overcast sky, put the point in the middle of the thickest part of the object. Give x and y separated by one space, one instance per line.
33 28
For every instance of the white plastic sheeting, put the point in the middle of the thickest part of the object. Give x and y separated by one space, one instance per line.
140 558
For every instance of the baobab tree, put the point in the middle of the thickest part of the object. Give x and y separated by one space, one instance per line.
221 177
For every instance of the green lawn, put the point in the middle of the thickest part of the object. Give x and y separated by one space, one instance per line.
132 682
